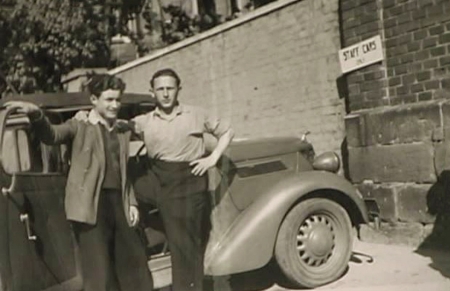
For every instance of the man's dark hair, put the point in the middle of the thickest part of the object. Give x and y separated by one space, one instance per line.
165 72
98 83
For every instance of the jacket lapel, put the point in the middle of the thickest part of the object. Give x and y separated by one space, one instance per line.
123 143
99 143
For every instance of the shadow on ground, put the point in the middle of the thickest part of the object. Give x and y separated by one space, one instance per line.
257 280
360 258
263 278
438 202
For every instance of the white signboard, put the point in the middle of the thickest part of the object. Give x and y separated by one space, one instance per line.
361 54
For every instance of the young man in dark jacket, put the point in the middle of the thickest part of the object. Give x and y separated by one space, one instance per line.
99 201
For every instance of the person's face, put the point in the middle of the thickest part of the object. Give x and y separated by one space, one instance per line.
108 104
166 91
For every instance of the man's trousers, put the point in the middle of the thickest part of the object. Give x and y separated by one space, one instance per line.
185 221
185 208
112 256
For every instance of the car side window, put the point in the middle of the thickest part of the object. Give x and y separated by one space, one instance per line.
15 154
23 152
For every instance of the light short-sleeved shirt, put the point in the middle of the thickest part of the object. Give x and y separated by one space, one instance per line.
178 138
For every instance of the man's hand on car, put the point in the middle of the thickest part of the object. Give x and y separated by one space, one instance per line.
32 110
22 106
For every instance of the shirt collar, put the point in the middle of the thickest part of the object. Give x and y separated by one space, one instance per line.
94 117
179 109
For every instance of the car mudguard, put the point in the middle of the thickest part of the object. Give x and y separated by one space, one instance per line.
249 242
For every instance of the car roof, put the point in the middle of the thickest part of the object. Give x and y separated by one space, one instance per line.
65 101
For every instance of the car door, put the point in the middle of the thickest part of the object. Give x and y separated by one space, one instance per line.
37 247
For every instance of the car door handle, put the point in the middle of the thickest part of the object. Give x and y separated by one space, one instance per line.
25 218
7 191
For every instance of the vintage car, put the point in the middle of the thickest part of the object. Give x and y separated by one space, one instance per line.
273 200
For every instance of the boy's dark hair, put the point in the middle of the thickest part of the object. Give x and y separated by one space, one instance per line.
165 72
98 83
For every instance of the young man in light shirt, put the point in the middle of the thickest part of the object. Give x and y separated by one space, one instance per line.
173 136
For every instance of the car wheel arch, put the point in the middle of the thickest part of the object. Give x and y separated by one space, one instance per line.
337 196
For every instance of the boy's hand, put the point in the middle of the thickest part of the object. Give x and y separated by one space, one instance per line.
134 215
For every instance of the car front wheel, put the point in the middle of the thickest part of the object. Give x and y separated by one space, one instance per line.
314 243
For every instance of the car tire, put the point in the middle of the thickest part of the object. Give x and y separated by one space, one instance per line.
314 243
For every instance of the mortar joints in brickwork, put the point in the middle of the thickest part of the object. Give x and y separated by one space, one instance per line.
385 184
380 10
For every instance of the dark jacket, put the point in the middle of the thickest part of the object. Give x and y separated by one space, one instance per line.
88 163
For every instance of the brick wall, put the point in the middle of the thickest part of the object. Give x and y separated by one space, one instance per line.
361 19
416 35
272 71
397 126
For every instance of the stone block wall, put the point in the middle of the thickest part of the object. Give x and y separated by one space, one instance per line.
398 121
394 156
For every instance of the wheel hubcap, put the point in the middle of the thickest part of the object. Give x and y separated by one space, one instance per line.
315 240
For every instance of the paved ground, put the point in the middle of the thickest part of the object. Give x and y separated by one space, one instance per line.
394 268
374 267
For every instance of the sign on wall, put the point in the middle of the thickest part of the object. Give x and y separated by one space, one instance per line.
361 54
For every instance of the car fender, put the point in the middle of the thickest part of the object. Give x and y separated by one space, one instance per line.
249 242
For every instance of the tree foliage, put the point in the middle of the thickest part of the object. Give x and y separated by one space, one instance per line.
178 25
44 39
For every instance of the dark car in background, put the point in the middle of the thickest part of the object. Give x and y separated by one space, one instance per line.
273 200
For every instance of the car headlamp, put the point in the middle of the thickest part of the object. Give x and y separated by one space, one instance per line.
328 161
